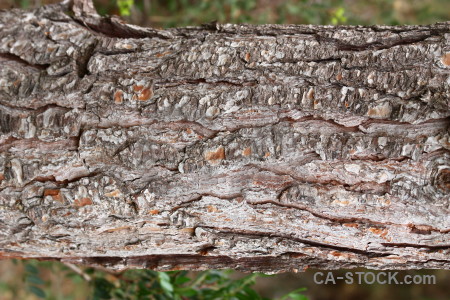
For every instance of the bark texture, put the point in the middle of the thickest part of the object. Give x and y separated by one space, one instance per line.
260 148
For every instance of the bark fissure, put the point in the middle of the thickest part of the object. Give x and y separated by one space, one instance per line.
18 59
253 233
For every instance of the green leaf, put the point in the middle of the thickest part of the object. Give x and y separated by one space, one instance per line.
102 288
150 274
36 291
164 280
125 7
252 293
119 294
188 292
180 280
29 268
34 279
295 295
338 16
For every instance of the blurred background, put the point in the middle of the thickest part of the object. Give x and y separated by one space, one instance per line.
53 280
32 280
176 13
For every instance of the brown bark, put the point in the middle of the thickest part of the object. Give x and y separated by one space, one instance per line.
260 148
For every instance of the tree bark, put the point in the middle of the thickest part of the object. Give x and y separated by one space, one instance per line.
260 148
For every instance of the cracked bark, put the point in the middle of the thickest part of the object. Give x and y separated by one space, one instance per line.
261 148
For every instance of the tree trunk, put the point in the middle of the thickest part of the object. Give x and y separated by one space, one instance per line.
260 148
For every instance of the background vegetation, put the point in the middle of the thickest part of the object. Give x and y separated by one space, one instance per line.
33 279
170 13
52 280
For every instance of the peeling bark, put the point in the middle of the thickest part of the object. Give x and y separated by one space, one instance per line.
261 148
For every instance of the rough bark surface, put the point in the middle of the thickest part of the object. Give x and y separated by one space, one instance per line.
260 148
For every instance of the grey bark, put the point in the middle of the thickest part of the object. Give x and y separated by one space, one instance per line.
261 148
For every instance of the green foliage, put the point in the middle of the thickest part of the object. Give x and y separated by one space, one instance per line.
178 13
33 281
125 7
170 13
141 284
295 295
147 284
25 3
338 16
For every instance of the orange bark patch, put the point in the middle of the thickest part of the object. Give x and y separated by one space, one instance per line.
118 97
117 229
339 76
267 154
216 155
56 194
162 54
115 193
211 208
378 231
153 212
247 151
341 202
51 192
145 94
372 112
354 225
82 202
446 59
420 229
247 57
189 230
137 88
2 177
